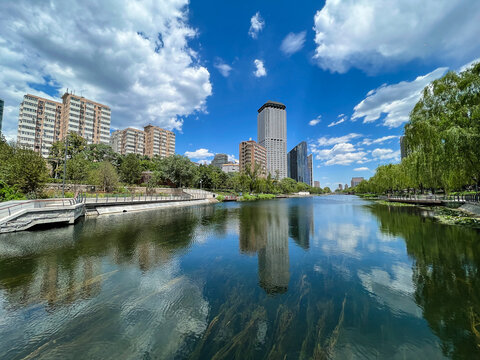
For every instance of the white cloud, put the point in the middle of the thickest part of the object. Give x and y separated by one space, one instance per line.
340 154
260 68
361 169
379 140
231 158
133 56
315 121
198 154
328 141
256 25
334 123
395 101
293 43
223 68
368 34
386 154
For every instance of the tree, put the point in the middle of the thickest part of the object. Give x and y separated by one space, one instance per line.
56 157
177 169
27 170
130 170
105 176
78 168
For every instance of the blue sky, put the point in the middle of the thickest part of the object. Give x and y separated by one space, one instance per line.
349 72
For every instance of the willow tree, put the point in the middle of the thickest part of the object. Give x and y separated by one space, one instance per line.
444 131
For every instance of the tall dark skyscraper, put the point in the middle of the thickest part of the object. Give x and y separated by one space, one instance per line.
298 168
310 168
219 160
1 114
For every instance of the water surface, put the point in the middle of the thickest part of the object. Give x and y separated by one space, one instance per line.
307 278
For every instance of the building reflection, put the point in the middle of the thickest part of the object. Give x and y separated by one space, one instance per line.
264 230
301 224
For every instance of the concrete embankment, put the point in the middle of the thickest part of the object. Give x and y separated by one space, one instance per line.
473 209
117 209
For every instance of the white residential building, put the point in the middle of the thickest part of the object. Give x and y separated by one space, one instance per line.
128 141
230 168
38 123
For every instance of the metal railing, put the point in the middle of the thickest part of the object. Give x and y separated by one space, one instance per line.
448 198
13 207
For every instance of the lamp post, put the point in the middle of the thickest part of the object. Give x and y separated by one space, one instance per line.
201 184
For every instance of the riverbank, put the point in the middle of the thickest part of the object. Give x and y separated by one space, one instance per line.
465 215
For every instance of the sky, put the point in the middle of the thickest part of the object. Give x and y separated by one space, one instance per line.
349 72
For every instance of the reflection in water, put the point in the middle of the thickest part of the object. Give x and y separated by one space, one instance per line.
264 229
369 282
446 276
301 223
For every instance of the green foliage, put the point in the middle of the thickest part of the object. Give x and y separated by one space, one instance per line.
78 169
130 169
8 192
105 176
220 198
56 158
177 169
442 140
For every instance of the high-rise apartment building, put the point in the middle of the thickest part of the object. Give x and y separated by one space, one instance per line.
355 181
87 118
128 141
251 153
310 168
230 168
219 160
39 123
2 104
298 163
159 141
317 184
272 134
340 187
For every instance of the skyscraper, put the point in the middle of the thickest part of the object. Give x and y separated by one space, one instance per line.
39 123
272 134
89 119
310 168
219 160
250 153
1 113
298 163
355 181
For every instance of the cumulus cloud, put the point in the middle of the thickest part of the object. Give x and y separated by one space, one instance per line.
315 121
395 101
293 43
386 154
380 140
256 25
260 68
368 34
223 68
363 168
133 56
335 123
231 158
198 154
328 141
340 154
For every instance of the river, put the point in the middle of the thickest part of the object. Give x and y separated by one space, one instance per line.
332 277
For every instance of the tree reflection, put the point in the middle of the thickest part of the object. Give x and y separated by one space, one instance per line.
446 275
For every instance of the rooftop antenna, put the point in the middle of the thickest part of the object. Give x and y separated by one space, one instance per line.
81 92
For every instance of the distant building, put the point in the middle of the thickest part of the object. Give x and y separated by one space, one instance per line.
159 142
345 187
317 184
231 168
340 187
251 153
2 104
403 147
39 122
128 141
356 180
87 118
219 160
298 164
310 168
272 135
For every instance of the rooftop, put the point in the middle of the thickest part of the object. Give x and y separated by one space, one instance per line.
274 104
